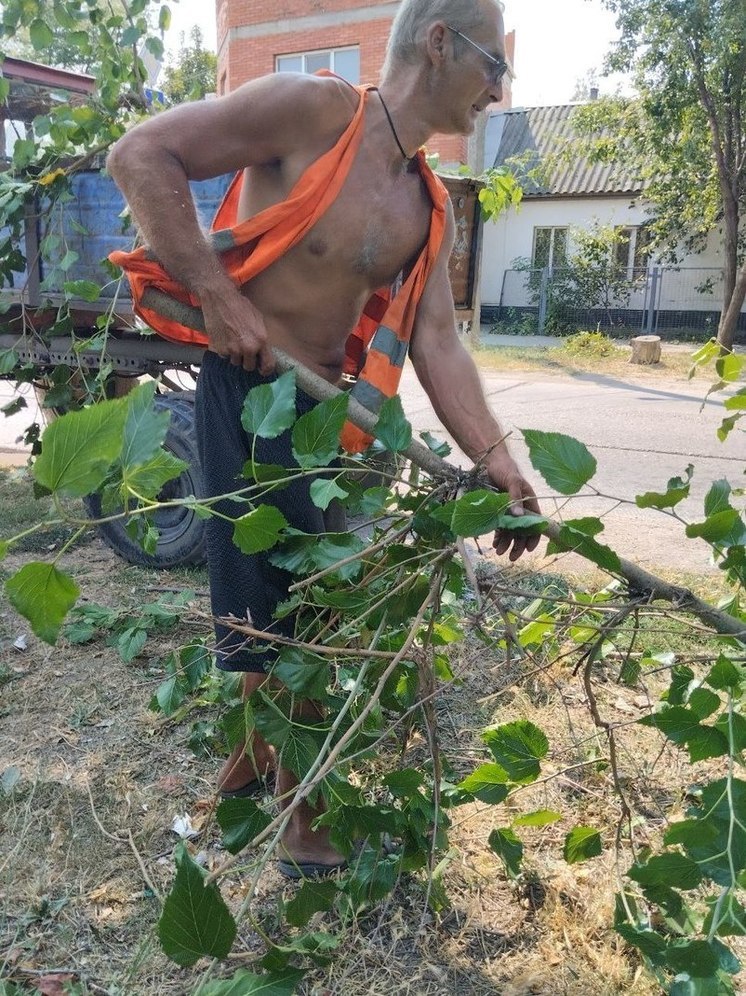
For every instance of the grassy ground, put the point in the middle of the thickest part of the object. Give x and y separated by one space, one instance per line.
86 829
562 359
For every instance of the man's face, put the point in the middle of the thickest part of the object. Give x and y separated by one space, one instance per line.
479 65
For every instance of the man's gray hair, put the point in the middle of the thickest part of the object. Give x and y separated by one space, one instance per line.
413 17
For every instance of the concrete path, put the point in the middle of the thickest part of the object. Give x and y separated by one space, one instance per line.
641 435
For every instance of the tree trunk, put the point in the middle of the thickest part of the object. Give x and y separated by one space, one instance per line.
727 326
732 312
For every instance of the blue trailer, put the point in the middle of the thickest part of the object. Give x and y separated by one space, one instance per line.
85 227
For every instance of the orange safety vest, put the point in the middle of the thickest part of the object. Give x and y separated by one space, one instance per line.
377 347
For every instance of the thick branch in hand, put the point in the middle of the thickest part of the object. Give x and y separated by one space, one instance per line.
640 581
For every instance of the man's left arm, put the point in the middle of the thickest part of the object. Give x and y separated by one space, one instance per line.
449 376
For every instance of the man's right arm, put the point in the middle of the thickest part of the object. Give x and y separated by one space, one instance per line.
260 123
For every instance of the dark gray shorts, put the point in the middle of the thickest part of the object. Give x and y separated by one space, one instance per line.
242 584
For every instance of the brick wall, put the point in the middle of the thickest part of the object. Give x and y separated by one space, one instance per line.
249 40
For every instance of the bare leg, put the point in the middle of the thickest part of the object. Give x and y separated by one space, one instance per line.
238 770
299 841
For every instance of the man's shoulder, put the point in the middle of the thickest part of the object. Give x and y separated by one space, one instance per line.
314 102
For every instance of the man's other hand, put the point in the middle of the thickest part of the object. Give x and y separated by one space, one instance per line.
236 330
505 474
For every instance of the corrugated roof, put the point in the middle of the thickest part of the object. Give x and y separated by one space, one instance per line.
536 134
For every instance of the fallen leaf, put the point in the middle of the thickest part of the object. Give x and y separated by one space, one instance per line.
54 985
21 642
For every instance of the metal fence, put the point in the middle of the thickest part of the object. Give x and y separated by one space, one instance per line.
667 301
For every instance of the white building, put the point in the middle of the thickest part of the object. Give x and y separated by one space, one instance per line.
576 194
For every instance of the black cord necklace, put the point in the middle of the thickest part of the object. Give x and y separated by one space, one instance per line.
393 130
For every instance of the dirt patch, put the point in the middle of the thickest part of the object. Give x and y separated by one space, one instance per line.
86 837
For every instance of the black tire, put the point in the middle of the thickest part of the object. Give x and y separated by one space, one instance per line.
181 540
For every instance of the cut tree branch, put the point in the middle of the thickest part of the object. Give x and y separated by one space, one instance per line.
641 582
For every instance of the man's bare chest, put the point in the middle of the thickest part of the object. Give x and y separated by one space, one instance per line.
376 226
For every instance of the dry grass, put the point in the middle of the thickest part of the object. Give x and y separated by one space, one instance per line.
557 361
96 767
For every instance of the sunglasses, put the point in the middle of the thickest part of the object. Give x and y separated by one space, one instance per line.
499 66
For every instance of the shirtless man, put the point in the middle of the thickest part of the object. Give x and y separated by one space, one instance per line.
444 64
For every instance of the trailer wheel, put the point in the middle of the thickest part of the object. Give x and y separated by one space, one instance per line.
181 540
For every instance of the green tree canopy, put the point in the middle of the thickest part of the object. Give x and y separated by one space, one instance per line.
685 133
194 72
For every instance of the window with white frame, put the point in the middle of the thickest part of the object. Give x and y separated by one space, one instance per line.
632 248
345 62
550 247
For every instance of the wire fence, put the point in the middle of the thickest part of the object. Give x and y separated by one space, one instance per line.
671 302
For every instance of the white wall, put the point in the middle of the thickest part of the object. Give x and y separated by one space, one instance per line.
512 237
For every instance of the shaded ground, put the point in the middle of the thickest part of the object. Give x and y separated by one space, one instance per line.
86 829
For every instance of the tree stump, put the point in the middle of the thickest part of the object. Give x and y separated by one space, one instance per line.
646 350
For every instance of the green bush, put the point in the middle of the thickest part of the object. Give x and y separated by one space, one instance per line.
594 344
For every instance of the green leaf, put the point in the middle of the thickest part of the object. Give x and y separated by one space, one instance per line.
518 748
682 727
40 33
508 847
145 428
540 818
282 982
564 463
696 958
8 360
44 596
271 722
392 428
312 897
715 527
737 402
164 18
259 529
195 921
439 447
300 750
324 491
404 783
169 695
690 833
671 869
731 917
729 367
79 448
724 675
676 491
717 498
316 434
478 512
703 702
718 856
240 820
85 289
302 672
574 538
149 478
582 843
489 783
373 877
646 940
131 642
269 409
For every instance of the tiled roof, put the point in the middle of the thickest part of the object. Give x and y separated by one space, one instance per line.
542 131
